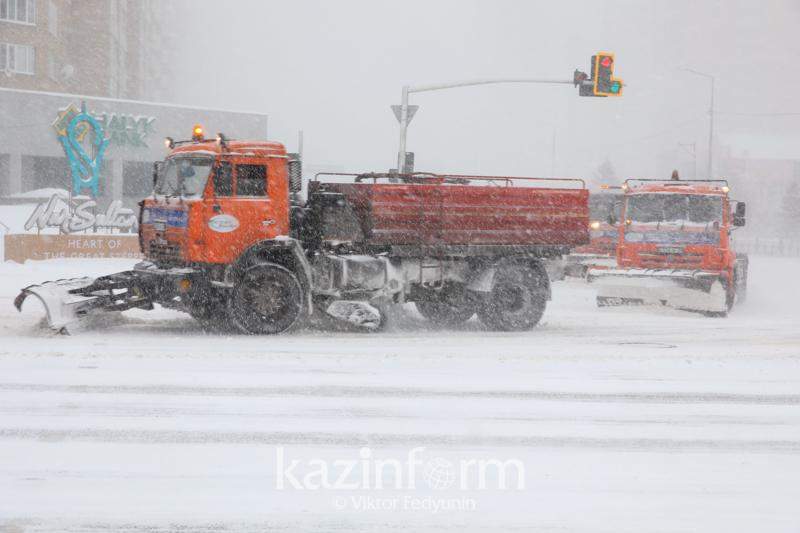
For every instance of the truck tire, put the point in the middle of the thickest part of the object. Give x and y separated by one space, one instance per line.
210 309
266 299
740 278
730 298
442 313
517 300
741 291
212 319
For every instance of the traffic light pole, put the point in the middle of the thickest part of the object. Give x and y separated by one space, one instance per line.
408 89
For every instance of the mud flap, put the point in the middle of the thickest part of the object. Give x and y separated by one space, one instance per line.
63 308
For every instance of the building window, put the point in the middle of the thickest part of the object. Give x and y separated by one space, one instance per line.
137 179
23 11
44 172
19 58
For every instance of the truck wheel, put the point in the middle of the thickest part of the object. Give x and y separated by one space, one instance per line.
730 297
445 313
741 292
267 299
210 309
740 279
213 319
517 300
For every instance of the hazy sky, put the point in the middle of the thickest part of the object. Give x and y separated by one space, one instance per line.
333 69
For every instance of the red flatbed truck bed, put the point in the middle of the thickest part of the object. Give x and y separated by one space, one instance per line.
452 213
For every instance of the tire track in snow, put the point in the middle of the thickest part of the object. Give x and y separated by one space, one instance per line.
389 439
405 392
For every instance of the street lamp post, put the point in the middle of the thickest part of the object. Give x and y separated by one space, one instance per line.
693 153
403 115
710 121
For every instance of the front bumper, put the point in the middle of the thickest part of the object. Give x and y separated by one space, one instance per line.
682 289
170 287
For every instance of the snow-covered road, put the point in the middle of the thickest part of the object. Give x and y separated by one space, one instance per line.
622 419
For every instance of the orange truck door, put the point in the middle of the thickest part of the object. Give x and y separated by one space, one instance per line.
240 212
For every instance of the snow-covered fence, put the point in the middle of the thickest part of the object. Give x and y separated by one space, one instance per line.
774 246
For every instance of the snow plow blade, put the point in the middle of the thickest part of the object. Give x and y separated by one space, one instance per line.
690 290
68 301
578 265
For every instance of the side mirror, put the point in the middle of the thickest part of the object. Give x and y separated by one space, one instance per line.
740 214
156 170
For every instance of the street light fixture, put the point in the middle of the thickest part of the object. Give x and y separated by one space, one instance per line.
693 153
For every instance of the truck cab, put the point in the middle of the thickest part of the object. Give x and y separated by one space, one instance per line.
678 225
676 235
212 199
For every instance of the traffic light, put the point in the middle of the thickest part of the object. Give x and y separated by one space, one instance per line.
583 83
603 76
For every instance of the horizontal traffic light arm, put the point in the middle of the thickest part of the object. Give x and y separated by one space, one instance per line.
484 81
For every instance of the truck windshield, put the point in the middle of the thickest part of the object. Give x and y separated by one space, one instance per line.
678 208
183 176
603 205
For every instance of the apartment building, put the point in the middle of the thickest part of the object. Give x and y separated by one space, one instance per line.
106 55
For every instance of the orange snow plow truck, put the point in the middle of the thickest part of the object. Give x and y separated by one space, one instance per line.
675 248
227 239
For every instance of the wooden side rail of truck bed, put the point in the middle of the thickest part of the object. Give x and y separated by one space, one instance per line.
445 210
453 179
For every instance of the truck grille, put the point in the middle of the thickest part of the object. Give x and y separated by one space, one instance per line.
164 253
663 260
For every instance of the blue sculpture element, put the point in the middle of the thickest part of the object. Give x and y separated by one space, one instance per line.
85 170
